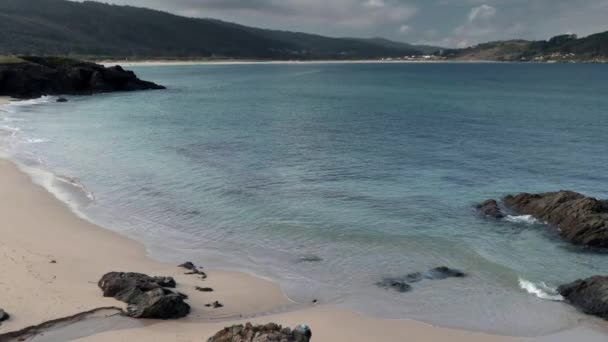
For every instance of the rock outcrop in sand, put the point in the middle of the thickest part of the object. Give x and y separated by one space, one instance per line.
36 76
589 295
582 220
148 297
262 333
3 315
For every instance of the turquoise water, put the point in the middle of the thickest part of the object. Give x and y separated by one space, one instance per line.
372 168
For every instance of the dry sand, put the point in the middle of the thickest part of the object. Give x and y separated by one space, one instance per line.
51 260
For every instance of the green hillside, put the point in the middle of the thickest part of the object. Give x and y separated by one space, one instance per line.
60 27
559 48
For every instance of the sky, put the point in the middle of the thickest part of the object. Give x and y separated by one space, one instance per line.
447 23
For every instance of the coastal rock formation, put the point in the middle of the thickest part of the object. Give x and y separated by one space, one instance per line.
33 77
3 315
589 295
490 208
148 297
262 333
582 220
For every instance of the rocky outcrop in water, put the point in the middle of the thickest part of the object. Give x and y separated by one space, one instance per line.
490 208
32 77
262 333
580 219
148 297
3 315
589 295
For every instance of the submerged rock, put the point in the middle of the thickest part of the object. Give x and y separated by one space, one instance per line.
62 100
490 208
148 297
396 284
445 272
402 284
589 295
580 219
262 333
4 315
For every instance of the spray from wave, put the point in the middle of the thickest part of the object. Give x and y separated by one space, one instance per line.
528 219
540 290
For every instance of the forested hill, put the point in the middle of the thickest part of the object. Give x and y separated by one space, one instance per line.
563 48
60 27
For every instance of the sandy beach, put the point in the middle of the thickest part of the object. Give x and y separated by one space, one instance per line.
51 261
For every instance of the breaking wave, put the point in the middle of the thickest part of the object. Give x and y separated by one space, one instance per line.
540 290
529 219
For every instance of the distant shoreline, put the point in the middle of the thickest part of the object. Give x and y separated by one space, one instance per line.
168 62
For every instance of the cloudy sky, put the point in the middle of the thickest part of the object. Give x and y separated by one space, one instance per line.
449 23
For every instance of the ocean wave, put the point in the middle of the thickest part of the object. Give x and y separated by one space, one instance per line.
76 183
36 141
10 130
529 219
540 290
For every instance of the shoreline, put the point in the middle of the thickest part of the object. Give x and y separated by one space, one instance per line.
53 272
40 290
37 290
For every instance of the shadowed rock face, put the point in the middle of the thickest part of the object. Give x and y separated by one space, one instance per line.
148 297
589 295
262 333
582 220
38 76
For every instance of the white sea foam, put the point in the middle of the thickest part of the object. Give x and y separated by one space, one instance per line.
540 290
529 219
35 141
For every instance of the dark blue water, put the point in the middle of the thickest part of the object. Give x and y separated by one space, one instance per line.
372 168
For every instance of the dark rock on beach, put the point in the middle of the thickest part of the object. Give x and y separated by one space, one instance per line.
189 266
580 219
262 333
62 100
589 295
36 76
490 208
204 289
193 269
215 305
148 297
3 315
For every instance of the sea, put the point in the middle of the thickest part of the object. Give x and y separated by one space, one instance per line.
330 177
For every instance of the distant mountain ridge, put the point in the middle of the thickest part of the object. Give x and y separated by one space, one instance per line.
562 48
60 27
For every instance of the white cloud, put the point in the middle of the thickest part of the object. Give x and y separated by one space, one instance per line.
404 29
483 12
